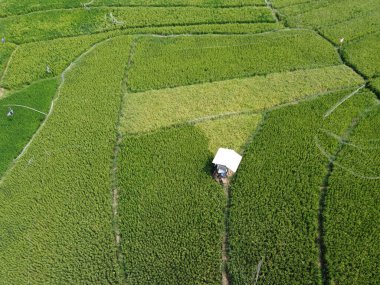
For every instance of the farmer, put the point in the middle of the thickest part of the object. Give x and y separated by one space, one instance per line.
3 40
10 112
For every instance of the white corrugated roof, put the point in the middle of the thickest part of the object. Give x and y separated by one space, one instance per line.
227 157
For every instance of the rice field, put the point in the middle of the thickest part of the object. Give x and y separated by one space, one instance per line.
111 112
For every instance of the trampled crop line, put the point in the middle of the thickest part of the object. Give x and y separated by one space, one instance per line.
56 97
344 141
275 13
322 206
114 175
324 189
220 116
26 107
8 63
225 241
344 99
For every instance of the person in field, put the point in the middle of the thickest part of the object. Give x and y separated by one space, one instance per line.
10 113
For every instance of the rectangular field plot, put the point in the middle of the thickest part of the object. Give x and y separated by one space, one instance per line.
275 196
353 209
334 13
62 23
223 3
171 210
14 7
55 204
174 61
223 29
149 110
354 28
364 55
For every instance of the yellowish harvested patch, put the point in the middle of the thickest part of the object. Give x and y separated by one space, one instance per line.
230 132
154 109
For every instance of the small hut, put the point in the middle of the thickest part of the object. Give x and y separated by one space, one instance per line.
226 163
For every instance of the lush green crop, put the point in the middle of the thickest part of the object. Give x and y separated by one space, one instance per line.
364 55
15 132
235 28
229 131
336 12
55 205
299 8
375 83
284 3
353 213
5 52
354 28
61 23
158 108
171 210
224 3
275 196
30 61
168 62
10 7
335 19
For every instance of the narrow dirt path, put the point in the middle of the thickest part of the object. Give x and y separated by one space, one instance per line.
114 174
7 65
268 3
225 277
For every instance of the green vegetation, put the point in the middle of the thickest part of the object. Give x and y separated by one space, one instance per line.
275 196
234 131
234 28
16 132
110 183
55 204
168 62
364 55
333 13
284 3
11 7
300 8
354 28
62 23
223 3
5 52
352 214
375 83
170 209
158 108
30 61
